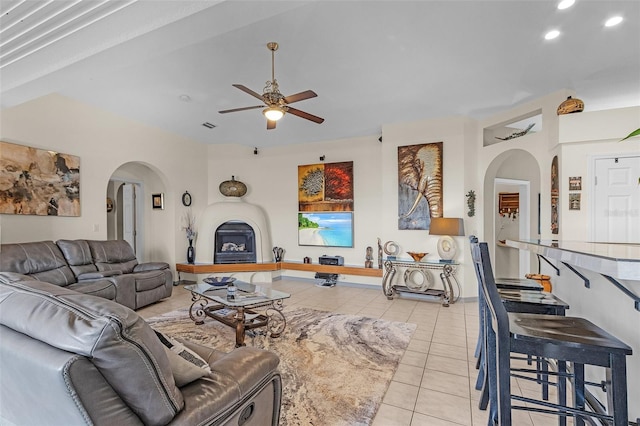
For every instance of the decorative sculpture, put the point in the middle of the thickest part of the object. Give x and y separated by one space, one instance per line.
368 263
518 134
471 203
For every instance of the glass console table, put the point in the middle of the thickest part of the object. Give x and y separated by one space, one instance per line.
408 284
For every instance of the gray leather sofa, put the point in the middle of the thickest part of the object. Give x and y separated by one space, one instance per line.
108 269
77 359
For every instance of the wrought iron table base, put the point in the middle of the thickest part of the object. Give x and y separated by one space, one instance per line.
272 319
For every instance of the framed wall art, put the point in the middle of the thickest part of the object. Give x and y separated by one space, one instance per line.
575 183
38 182
574 201
325 229
325 187
157 201
419 185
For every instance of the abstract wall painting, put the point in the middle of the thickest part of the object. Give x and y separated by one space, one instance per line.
38 182
326 187
419 185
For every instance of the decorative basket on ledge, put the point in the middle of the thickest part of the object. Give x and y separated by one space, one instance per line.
570 106
232 188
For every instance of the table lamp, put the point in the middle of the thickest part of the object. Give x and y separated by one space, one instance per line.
446 227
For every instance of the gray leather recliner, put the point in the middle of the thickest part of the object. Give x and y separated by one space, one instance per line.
76 359
107 269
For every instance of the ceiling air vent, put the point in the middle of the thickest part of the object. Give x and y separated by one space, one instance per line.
208 125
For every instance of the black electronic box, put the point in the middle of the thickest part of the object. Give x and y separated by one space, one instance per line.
331 260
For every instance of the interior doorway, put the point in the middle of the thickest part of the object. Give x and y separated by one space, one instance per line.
127 218
512 221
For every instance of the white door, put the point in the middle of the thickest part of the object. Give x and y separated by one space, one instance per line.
129 214
617 200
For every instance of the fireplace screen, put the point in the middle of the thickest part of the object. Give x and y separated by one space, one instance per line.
235 243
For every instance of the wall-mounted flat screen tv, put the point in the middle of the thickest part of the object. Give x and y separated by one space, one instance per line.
325 229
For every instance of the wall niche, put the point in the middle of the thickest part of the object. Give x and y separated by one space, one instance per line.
514 128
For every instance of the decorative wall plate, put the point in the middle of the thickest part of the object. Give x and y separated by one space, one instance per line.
186 199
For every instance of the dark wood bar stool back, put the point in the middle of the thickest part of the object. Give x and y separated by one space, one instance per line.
564 339
524 296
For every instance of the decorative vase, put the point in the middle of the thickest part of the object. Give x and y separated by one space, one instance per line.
191 253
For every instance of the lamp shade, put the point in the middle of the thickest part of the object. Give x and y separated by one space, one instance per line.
446 226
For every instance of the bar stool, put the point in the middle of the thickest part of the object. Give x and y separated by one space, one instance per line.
524 296
565 339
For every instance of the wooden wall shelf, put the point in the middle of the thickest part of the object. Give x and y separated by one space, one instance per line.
210 268
332 269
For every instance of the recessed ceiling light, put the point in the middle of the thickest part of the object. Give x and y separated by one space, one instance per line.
551 35
185 98
611 22
565 4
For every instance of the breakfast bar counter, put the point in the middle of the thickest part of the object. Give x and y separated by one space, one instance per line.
616 260
601 282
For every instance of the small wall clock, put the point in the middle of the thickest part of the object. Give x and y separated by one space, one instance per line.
186 199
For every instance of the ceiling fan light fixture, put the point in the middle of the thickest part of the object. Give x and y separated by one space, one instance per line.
273 113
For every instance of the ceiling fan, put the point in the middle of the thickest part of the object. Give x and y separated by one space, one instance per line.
275 102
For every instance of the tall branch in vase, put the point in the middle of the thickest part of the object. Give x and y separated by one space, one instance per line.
189 223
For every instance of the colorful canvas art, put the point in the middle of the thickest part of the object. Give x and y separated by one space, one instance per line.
326 229
419 185
326 187
38 182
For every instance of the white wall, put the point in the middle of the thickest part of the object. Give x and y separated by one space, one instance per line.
104 142
271 178
582 138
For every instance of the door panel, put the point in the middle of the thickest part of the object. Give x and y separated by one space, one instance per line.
617 200
129 214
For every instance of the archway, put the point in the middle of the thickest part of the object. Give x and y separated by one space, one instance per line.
515 171
133 216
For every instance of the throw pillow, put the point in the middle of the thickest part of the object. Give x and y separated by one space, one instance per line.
186 365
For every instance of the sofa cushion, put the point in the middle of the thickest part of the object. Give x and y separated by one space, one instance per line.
149 280
10 277
118 341
150 266
101 288
113 255
186 365
42 260
78 256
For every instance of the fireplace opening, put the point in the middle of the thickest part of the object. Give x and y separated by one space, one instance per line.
235 242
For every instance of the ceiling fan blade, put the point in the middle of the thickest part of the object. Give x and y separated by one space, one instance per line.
241 109
271 124
306 115
300 96
249 91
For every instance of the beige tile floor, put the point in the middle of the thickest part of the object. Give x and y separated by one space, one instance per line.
434 383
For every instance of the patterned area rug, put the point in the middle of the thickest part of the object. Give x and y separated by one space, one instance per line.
335 368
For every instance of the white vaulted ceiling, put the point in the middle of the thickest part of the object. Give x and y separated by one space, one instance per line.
370 62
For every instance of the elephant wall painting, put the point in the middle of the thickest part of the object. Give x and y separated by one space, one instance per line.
419 185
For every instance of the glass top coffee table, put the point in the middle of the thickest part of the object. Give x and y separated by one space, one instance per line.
254 306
